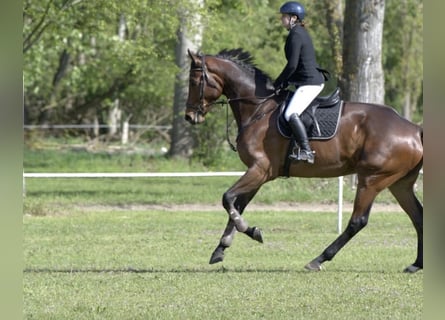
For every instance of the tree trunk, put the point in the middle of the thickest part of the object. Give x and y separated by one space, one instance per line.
363 78
362 51
46 115
407 108
189 37
114 117
115 113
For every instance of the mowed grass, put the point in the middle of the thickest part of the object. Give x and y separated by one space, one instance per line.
87 256
43 193
46 196
122 264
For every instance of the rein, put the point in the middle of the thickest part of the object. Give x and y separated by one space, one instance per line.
227 102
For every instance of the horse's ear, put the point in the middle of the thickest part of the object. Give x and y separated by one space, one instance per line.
192 56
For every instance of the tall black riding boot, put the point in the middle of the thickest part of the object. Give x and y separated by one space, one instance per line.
305 152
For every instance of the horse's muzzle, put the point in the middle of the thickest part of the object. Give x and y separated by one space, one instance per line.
194 117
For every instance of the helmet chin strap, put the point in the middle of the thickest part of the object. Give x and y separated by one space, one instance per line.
292 23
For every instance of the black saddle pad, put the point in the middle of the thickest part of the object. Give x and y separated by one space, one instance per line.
321 120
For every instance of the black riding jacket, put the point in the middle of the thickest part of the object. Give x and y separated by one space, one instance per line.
301 68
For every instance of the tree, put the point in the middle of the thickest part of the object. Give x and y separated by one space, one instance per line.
189 38
98 65
334 23
115 112
403 53
76 66
362 51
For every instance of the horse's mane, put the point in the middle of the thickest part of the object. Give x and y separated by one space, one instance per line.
245 60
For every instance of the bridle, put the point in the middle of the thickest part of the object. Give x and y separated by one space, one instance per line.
204 79
199 108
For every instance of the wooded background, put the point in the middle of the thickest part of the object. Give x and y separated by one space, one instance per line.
107 62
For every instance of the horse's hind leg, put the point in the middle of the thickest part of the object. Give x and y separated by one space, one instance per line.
362 206
403 191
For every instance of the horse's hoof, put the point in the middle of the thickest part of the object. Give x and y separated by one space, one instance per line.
217 256
412 269
257 234
313 266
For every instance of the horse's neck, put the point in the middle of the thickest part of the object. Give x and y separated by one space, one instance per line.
243 101
247 114
243 93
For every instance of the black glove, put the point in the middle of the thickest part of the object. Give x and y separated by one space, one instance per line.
278 89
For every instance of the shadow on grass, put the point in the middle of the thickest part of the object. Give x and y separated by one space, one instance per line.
209 271
133 270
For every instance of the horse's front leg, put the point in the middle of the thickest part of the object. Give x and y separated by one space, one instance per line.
234 204
229 232
225 242
235 201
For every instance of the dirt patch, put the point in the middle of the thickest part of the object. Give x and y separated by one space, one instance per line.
308 207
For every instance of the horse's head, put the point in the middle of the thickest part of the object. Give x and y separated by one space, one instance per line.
204 89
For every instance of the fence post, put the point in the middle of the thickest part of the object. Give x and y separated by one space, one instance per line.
340 205
125 129
125 132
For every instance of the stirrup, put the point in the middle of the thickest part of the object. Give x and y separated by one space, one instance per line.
303 155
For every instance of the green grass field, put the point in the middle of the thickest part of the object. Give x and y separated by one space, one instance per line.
154 265
81 262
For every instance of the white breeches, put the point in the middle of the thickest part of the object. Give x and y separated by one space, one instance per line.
301 99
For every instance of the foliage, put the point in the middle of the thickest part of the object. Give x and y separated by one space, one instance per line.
76 65
102 66
212 147
154 265
403 62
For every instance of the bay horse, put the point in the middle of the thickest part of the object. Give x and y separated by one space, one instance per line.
373 141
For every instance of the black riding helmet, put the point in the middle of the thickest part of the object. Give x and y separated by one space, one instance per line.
294 8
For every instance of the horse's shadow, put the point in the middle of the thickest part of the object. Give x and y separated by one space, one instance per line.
220 269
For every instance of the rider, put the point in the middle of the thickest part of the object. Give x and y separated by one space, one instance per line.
302 71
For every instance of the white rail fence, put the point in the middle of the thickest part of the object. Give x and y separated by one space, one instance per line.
175 175
170 175
125 128
91 126
133 174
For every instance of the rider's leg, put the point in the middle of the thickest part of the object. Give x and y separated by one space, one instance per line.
301 99
305 152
